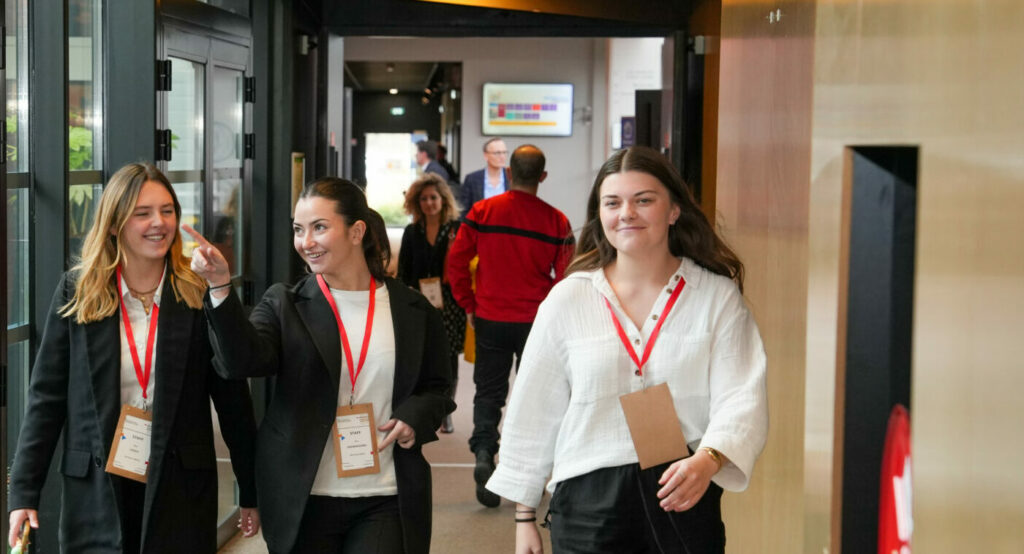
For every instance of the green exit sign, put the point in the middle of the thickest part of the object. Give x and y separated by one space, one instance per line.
398 110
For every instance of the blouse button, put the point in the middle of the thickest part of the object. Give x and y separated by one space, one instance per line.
636 342
636 372
654 317
675 277
668 291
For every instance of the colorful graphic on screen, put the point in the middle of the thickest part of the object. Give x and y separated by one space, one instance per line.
531 109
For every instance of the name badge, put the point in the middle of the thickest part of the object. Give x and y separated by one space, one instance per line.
654 426
355 441
431 288
129 452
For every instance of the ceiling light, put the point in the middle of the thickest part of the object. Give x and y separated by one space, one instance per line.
393 91
390 67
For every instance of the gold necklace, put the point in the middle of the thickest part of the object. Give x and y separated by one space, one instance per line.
144 297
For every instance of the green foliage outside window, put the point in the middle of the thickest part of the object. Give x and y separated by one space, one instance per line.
394 215
79 144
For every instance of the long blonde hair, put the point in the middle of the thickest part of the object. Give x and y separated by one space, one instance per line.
96 295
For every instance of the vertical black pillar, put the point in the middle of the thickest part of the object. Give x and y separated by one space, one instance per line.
48 166
129 82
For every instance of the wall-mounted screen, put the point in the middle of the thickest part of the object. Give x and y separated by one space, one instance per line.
527 109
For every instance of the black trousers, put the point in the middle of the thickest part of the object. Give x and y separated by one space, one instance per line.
368 525
616 510
133 499
496 343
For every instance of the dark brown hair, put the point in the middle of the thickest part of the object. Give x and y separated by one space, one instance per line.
691 235
350 204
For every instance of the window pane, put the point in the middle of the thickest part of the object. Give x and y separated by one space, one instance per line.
17 382
17 85
190 196
228 135
185 115
85 72
185 119
83 201
17 257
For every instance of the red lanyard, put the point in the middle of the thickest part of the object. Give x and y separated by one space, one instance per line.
352 375
140 374
641 362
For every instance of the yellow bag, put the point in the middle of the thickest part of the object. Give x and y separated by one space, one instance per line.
469 346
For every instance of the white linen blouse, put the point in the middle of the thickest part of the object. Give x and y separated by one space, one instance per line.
564 418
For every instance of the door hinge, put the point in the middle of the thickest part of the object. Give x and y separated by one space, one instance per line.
250 146
163 75
163 145
250 89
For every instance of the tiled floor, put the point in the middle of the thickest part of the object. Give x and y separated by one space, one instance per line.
461 525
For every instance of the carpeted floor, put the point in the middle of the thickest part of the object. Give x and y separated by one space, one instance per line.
461 525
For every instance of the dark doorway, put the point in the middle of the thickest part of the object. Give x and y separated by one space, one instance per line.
882 218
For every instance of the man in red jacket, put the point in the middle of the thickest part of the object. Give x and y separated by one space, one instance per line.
524 245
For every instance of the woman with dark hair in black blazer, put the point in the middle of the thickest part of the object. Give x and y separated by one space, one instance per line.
126 335
351 349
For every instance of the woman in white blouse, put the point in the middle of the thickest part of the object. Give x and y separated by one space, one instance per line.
651 276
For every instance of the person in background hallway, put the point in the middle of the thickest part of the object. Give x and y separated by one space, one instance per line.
345 337
490 181
126 328
524 246
435 222
426 159
442 158
648 260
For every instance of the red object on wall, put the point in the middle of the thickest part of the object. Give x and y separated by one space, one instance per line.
895 520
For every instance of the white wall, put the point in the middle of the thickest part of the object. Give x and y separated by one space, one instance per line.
572 162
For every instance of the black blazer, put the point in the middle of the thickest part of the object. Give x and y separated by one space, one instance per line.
292 334
76 387
434 167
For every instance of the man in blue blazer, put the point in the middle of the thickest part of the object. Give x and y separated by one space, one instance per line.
489 181
426 159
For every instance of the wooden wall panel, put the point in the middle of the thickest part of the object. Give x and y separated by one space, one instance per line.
763 169
946 75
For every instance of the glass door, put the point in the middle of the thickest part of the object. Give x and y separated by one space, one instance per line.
185 117
228 137
206 114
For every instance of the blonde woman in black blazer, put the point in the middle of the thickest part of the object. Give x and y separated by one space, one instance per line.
132 269
293 334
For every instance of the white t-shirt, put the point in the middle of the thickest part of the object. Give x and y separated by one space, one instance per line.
374 385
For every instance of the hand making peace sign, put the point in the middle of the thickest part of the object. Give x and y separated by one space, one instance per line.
207 261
